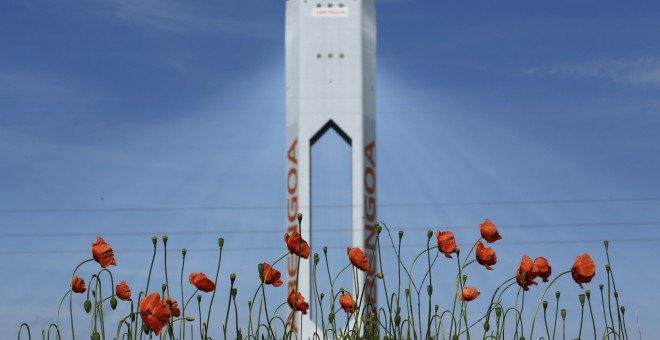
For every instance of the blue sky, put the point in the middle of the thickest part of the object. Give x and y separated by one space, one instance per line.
131 118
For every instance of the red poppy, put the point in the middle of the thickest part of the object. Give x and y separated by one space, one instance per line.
123 292
174 309
489 231
270 275
102 253
346 302
154 313
358 258
300 304
544 269
531 272
468 294
485 256
584 269
201 282
297 245
446 242
78 285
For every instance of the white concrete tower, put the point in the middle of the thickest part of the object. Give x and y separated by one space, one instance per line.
330 84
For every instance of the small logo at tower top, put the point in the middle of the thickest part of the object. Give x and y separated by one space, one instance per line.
330 12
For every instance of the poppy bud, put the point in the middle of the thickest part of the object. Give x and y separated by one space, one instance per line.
325 250
234 291
221 242
199 298
386 338
341 290
165 239
331 317
464 279
113 303
299 217
260 268
145 329
601 287
436 308
96 336
545 304
249 304
94 293
623 310
486 326
232 276
164 287
397 319
458 250
616 294
606 243
429 234
607 267
587 293
557 294
87 305
322 296
429 289
563 314
190 318
407 292
183 252
454 337
378 228
522 338
154 240
581 297
379 275
316 258
400 234
498 311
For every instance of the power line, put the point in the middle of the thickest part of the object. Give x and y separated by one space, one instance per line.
326 206
282 248
271 231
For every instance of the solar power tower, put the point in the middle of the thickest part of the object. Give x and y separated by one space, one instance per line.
330 84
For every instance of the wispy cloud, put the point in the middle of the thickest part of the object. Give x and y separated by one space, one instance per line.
640 72
176 17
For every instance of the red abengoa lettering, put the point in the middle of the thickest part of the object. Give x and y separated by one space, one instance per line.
291 214
369 219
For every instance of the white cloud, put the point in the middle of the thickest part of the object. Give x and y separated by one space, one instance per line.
173 16
640 72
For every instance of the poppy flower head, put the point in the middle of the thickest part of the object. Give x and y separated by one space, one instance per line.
174 308
201 282
297 245
78 285
544 268
346 302
102 253
446 242
485 256
299 301
154 313
584 269
531 272
123 291
489 231
358 258
270 275
468 294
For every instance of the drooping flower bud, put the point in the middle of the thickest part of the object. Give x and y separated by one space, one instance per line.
87 305
113 303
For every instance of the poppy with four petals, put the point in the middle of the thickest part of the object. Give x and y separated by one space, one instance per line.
446 242
78 285
270 275
485 256
489 231
583 270
358 258
123 291
468 294
346 302
102 253
544 268
299 301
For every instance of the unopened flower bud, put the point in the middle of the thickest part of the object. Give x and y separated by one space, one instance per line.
260 268
154 240
331 317
164 287
498 311
522 338
429 289
93 293
145 329
165 239
113 303
322 296
623 309
606 243
379 275
234 291
458 250
587 293
199 298
563 314
232 276
400 234
486 326
87 305
436 308
407 292
545 304
581 297
190 318
341 290
600 286
316 258
557 294
378 228
464 279
299 217
429 234
325 250
616 294
96 336
397 319
183 252
607 267
454 337
221 242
